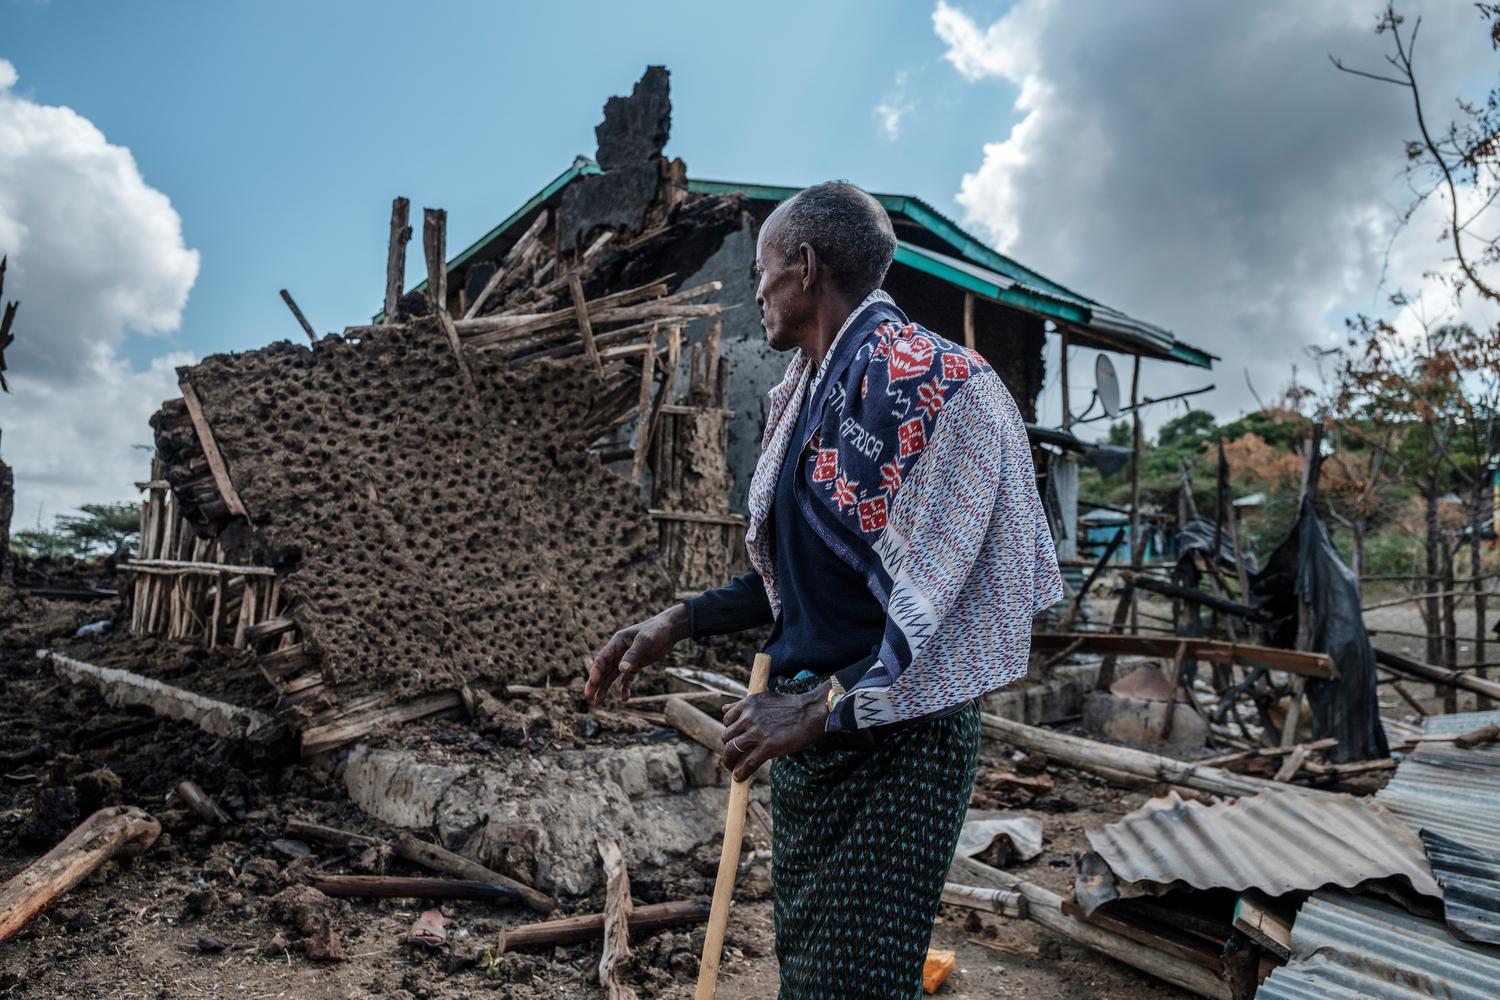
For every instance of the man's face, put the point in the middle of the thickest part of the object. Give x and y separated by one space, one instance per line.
785 304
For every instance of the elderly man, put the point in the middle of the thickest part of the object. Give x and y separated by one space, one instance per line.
899 550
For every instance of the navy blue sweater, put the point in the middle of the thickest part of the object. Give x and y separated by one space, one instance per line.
830 622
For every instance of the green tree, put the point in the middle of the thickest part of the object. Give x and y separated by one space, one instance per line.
96 528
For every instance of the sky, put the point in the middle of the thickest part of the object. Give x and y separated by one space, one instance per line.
166 168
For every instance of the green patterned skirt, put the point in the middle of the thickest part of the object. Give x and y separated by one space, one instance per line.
863 843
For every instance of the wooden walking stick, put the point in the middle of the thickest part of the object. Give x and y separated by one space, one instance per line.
729 860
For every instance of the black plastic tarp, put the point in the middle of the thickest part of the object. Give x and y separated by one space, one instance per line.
1308 566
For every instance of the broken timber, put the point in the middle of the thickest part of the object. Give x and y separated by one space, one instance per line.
1046 908
429 855
122 687
108 832
350 727
617 909
211 450
398 887
1438 675
1212 650
1107 759
589 926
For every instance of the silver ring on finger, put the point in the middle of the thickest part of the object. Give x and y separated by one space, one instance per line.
736 744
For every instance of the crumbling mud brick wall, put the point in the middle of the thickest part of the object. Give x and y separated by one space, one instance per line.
429 536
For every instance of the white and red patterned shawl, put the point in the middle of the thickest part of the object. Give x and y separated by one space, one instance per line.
918 474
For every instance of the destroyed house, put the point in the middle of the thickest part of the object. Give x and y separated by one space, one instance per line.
548 437
943 277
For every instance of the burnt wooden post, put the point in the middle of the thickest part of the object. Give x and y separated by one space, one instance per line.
291 304
434 246
395 258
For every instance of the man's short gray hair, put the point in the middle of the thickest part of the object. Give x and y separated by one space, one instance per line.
848 230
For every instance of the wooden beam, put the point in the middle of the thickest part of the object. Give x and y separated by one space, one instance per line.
107 833
398 887
347 729
1005 902
1046 908
590 926
211 450
434 246
306 830
585 328
1438 675
438 858
395 258
1214 651
170 567
969 320
643 417
291 304
1266 922
1104 757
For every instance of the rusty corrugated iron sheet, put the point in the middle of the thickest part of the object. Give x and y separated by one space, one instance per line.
1346 947
1276 842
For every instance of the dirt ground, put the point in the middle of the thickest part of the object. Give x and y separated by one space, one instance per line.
211 912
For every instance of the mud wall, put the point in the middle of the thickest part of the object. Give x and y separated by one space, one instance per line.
431 536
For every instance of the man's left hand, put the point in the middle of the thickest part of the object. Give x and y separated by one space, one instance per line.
762 726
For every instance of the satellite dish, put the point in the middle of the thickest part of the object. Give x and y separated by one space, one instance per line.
1108 385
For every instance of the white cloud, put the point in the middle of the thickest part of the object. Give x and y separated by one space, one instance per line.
94 252
1204 167
896 106
74 442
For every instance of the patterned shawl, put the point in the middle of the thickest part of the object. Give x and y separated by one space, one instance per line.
917 473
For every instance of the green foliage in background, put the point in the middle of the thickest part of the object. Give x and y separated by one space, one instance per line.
95 529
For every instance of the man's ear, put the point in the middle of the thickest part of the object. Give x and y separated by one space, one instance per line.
807 259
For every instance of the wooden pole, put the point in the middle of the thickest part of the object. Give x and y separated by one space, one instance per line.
1137 543
729 860
1450 628
1312 462
643 419
969 320
434 247
1046 908
1104 758
617 908
1067 408
395 258
116 830
589 926
428 855
399 887
291 304
585 328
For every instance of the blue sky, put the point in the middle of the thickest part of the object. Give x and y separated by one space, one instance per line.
1198 165
281 130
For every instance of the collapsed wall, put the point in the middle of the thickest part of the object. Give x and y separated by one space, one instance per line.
428 536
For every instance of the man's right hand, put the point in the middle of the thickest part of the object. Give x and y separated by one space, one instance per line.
633 649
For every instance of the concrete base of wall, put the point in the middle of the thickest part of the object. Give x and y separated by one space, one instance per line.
1044 702
540 818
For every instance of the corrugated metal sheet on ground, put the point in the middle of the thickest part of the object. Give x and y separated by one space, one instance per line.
1275 842
1450 791
1459 722
1345 947
1471 887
